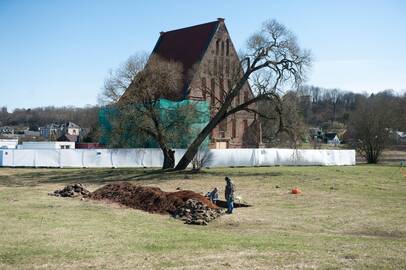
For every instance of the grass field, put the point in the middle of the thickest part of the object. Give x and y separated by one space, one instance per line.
347 218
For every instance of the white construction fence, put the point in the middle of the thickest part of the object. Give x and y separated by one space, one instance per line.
148 157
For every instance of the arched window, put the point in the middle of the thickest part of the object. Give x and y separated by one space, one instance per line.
234 128
223 128
227 47
204 88
215 67
229 88
212 92
245 96
245 124
222 48
221 66
217 46
222 90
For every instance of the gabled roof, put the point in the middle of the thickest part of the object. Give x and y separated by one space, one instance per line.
401 134
330 135
186 46
53 126
71 125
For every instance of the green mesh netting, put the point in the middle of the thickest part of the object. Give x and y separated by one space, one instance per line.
167 112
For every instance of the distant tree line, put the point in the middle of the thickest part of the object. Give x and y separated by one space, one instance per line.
86 117
370 120
322 106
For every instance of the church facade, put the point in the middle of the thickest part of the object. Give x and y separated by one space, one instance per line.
210 65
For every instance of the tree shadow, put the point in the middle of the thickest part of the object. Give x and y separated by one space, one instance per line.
98 176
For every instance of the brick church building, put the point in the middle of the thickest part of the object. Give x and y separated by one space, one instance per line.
209 61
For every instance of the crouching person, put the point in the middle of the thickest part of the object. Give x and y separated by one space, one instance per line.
229 194
213 195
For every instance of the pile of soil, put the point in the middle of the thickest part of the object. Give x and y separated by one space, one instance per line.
189 206
150 199
195 212
73 190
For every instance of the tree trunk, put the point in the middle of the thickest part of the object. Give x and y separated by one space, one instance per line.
194 147
169 158
218 117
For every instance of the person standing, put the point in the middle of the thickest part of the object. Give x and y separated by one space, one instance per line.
229 194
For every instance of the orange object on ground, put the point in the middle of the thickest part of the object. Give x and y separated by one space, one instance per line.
296 191
403 172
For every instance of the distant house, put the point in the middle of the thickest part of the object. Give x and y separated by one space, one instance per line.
331 138
70 128
6 130
316 132
51 130
8 143
400 137
56 131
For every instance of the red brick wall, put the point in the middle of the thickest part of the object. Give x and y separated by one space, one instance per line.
218 65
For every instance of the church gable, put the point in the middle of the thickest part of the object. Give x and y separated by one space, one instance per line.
187 47
209 62
207 56
216 71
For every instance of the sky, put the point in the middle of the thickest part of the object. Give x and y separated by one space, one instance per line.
58 53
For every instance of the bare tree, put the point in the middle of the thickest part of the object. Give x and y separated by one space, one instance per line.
273 59
135 92
293 131
119 80
370 128
202 158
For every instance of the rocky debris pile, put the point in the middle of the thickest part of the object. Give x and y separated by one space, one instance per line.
73 190
196 212
185 195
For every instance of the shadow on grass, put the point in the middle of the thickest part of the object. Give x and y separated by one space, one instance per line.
377 232
34 177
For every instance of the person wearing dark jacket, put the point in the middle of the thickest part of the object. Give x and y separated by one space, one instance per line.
229 194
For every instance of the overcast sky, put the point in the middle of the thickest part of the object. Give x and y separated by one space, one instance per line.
59 52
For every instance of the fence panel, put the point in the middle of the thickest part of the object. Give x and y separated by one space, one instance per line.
47 158
71 158
152 157
24 158
97 158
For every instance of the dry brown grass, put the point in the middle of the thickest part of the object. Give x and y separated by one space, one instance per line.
347 218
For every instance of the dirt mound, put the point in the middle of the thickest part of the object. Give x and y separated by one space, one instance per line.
189 206
73 190
150 199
